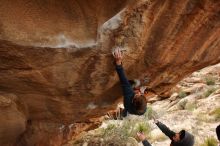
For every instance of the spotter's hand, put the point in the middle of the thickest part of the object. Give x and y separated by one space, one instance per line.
141 136
155 120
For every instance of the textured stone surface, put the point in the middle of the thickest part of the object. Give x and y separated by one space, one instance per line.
13 120
56 56
55 23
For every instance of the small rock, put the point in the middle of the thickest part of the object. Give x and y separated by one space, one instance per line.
196 88
173 96
153 99
193 80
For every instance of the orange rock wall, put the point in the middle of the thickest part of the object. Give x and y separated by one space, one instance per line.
56 66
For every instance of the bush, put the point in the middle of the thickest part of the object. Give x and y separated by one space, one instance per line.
210 80
120 131
209 91
216 114
143 127
210 141
150 113
182 94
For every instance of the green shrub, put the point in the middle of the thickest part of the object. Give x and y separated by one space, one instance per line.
119 133
143 127
210 80
210 141
182 94
209 91
150 113
216 114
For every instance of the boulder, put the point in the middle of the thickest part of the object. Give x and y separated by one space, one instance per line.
55 56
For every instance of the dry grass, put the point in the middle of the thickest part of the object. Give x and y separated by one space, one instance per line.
209 91
216 114
210 80
210 141
190 106
182 94
118 132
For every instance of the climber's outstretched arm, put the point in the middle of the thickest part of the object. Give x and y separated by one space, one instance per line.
126 86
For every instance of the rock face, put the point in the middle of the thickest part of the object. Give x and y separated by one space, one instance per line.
55 58
54 23
199 109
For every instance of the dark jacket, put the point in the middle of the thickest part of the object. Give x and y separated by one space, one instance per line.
127 90
164 129
187 140
146 143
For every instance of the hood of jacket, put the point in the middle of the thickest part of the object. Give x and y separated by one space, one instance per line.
187 140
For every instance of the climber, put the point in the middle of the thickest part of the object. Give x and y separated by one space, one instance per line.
183 138
218 133
133 103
